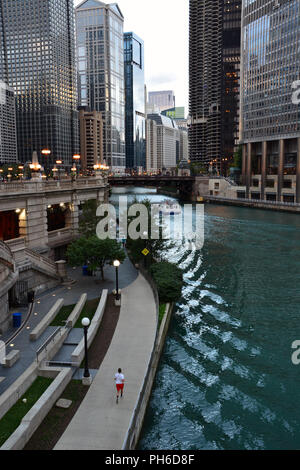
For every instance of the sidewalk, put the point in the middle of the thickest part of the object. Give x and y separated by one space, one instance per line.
71 295
101 424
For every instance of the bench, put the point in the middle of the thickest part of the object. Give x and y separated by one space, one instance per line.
37 332
12 358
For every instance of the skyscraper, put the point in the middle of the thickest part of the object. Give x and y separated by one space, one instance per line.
162 99
270 124
38 62
135 126
215 27
8 137
100 65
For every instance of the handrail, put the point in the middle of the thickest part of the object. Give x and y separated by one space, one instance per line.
48 341
255 201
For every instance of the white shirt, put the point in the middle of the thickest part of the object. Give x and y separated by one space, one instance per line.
119 378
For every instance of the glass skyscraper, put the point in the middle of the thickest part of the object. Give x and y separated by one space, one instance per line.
270 120
38 62
100 66
214 71
135 128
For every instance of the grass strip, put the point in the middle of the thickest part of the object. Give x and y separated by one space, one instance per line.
12 419
162 311
88 311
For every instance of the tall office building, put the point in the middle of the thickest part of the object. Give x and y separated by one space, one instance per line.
164 150
162 99
91 138
270 112
215 27
100 65
135 124
8 136
38 62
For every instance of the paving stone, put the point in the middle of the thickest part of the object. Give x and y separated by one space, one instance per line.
63 403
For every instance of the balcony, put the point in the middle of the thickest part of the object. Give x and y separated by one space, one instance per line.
60 237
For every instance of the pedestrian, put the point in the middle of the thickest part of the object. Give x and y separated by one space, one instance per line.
120 380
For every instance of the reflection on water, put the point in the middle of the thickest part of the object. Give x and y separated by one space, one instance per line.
226 380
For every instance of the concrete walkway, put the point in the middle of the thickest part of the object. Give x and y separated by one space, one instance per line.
92 286
101 424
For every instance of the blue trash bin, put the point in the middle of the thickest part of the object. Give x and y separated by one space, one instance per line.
84 270
17 320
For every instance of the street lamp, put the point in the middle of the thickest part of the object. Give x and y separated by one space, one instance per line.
59 163
86 376
76 159
117 265
46 153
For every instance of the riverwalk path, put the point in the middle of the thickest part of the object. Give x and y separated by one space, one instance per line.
100 423
20 339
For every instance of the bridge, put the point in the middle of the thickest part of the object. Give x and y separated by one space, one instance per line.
183 184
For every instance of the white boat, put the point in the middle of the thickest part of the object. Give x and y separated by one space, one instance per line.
170 208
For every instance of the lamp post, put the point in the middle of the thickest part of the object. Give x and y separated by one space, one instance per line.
59 163
117 265
87 380
46 153
76 159
145 251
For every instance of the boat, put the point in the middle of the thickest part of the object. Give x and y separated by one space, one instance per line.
170 208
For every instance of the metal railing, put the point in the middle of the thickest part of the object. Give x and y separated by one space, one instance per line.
255 201
51 339
31 186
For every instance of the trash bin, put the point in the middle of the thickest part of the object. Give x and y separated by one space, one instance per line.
85 271
17 320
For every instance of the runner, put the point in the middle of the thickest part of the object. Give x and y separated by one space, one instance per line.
120 380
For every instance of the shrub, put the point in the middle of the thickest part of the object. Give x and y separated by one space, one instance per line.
169 281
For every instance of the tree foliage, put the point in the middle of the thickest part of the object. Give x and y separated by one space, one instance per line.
88 220
169 281
154 246
94 253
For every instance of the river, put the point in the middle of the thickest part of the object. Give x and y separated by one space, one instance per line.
226 379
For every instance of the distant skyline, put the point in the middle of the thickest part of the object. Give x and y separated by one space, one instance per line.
164 27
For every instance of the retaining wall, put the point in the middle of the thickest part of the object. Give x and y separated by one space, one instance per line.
134 431
38 412
78 353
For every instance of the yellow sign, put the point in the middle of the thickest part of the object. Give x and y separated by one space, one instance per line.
145 252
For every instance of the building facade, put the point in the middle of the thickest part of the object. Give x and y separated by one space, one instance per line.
164 150
91 139
100 66
215 28
270 113
8 134
38 62
135 124
162 99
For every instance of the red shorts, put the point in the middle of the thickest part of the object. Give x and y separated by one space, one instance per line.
120 387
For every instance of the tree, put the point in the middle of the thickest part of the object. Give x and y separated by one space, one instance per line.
88 220
154 246
94 253
237 159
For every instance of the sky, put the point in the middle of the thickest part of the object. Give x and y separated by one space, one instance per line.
163 25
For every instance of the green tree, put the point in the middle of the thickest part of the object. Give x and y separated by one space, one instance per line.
154 246
88 220
238 158
94 253
198 168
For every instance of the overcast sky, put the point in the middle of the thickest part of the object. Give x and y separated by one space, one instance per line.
163 25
